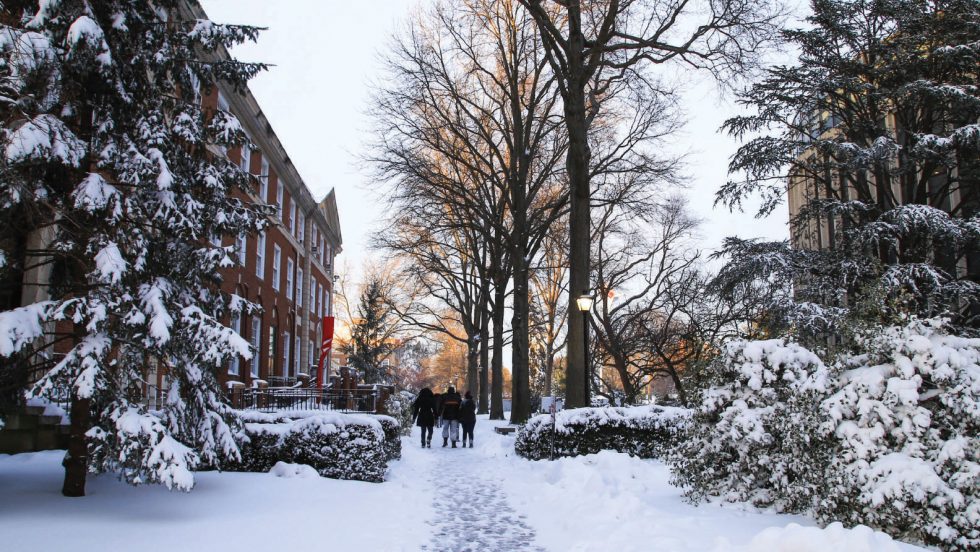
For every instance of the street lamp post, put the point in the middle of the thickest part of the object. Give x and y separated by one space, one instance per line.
584 303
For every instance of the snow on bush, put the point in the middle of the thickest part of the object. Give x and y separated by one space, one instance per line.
751 438
644 431
338 446
399 405
887 438
906 417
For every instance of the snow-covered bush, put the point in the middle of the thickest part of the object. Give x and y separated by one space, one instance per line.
399 406
644 431
906 419
887 438
753 436
339 446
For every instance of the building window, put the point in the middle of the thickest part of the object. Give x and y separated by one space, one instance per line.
292 218
256 341
289 278
279 192
260 256
326 302
312 349
296 352
236 325
264 181
276 260
240 245
314 291
245 162
301 228
285 354
314 238
321 249
271 355
299 287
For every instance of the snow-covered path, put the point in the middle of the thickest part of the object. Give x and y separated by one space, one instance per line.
472 512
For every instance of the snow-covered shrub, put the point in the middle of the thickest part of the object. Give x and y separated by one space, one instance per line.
906 418
399 406
339 446
392 430
753 436
644 431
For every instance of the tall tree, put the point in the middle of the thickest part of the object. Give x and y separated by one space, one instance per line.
594 45
109 157
874 132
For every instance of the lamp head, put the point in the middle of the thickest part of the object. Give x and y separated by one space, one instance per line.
585 301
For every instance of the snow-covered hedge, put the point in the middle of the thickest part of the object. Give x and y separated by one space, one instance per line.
887 438
339 446
644 431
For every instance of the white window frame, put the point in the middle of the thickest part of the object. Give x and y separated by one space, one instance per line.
241 246
296 353
292 218
299 288
279 196
236 326
264 181
256 344
301 228
286 340
322 249
260 256
245 159
276 269
314 290
312 359
223 106
290 267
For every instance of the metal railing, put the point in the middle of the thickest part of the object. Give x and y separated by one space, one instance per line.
273 399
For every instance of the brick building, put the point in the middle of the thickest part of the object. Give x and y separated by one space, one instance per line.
288 269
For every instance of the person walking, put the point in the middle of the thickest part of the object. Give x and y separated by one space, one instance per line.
467 417
449 413
424 414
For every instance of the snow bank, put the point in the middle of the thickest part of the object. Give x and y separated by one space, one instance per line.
796 538
300 471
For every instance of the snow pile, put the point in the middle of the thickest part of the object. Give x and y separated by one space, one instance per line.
887 438
288 471
796 538
644 431
336 445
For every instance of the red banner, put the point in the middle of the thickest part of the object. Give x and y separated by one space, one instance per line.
325 348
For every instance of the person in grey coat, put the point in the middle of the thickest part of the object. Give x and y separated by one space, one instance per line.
449 412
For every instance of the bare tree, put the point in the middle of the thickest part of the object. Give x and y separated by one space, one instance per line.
595 46
549 309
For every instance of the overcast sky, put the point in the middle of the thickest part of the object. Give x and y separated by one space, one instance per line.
326 54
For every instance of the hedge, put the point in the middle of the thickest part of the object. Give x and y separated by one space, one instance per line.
338 446
643 431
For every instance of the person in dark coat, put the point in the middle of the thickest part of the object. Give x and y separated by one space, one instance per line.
467 417
424 414
449 412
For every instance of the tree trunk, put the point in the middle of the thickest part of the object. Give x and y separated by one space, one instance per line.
549 369
520 409
497 366
76 459
577 166
472 364
484 406
681 395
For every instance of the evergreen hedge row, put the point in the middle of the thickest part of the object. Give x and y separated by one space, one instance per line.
643 431
338 446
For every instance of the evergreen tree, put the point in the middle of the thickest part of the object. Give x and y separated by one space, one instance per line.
371 344
107 150
876 125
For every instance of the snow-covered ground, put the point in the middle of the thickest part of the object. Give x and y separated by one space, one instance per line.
484 498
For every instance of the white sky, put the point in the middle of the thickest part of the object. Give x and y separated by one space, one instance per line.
325 55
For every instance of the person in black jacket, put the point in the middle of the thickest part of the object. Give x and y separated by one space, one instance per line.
467 417
449 412
424 414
